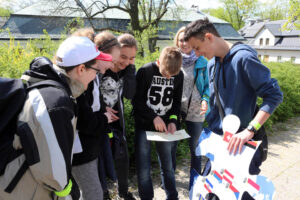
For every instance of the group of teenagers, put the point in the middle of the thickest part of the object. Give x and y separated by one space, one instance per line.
180 87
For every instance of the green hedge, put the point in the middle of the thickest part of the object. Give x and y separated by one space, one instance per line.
15 59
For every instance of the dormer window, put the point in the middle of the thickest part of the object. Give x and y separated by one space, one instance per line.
261 41
267 41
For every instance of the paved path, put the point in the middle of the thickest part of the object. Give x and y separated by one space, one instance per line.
282 165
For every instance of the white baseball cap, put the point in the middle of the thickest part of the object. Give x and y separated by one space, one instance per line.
77 50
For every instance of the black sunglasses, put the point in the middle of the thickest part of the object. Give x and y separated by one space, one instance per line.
97 70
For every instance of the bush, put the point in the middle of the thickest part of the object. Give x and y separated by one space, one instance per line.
288 77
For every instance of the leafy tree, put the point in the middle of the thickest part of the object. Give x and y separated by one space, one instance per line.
234 11
144 14
220 13
294 14
274 11
5 12
239 10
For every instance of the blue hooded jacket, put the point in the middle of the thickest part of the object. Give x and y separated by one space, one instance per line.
241 78
202 79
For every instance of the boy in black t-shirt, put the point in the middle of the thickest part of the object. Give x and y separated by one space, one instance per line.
156 108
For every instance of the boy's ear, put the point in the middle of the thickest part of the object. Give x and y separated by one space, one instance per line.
157 61
209 36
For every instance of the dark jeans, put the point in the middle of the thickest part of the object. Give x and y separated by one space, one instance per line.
194 129
121 165
106 167
143 159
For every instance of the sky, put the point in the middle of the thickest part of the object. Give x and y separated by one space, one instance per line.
202 4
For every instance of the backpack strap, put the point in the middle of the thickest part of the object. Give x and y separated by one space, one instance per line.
47 83
11 186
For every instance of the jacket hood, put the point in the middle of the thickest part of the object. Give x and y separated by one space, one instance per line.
237 47
41 68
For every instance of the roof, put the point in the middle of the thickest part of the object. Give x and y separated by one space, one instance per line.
282 43
31 21
2 21
23 27
275 27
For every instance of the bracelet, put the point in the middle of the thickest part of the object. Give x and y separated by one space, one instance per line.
173 117
256 125
65 192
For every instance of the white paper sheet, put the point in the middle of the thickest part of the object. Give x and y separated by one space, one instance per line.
163 137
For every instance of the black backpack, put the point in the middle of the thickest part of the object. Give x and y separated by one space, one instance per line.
13 93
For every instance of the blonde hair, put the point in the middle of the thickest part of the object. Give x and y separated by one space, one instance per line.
176 38
170 60
85 32
127 40
105 41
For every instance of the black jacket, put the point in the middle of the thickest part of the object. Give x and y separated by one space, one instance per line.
91 126
115 86
156 96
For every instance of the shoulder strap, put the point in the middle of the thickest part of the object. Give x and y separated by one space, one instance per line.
190 98
46 83
220 108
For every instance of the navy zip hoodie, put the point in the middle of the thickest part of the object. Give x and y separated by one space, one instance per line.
241 78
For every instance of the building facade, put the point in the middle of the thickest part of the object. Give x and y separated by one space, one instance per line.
272 42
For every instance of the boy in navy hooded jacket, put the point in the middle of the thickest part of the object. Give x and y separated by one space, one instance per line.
239 77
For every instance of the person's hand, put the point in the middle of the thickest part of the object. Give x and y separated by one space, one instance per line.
172 128
238 140
112 113
109 117
159 124
203 107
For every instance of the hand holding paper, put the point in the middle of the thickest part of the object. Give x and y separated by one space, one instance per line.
163 137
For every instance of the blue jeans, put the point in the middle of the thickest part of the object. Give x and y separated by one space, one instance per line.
143 159
194 129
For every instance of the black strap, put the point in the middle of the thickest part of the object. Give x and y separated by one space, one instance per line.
11 186
190 98
46 83
215 83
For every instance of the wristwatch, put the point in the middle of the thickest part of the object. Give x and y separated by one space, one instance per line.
251 128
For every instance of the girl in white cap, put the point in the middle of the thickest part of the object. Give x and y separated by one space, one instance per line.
48 121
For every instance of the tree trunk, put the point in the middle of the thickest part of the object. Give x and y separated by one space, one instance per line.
152 44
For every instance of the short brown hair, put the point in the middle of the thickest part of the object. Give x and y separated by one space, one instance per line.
170 59
127 40
198 29
181 30
105 41
85 32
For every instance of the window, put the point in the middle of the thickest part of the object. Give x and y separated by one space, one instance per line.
259 56
267 41
278 58
261 41
293 59
266 58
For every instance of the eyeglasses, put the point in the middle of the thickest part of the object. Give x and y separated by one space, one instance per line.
97 70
